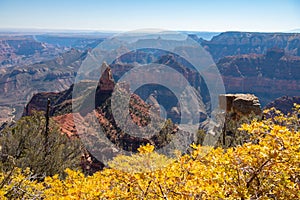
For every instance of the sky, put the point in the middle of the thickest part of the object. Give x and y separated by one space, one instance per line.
127 15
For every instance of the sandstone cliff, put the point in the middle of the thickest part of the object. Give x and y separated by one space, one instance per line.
268 76
238 43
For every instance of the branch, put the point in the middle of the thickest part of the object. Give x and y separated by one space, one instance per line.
163 194
254 175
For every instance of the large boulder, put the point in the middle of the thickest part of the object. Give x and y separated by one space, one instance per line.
240 104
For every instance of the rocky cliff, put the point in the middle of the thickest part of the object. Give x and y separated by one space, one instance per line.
240 105
268 76
19 83
238 43
265 64
164 96
24 50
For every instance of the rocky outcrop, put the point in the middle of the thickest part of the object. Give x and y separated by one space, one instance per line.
106 82
240 104
39 102
105 85
239 109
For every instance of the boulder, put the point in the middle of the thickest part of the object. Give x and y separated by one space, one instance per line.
240 104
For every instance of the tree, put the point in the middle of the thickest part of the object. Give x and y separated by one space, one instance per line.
27 145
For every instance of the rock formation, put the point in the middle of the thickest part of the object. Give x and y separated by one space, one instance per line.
105 85
248 63
240 104
106 82
239 109
61 109
265 64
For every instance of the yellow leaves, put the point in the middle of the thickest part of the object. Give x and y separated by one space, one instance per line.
269 163
266 167
145 161
194 146
16 184
146 149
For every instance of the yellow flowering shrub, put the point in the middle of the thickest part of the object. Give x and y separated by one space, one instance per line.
268 167
18 184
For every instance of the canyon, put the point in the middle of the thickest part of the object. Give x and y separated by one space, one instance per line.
264 64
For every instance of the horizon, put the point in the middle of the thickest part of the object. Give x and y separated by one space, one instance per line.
54 30
120 16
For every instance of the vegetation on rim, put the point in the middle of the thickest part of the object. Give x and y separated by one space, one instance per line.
266 167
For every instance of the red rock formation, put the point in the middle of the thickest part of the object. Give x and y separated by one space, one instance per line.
139 114
66 124
106 83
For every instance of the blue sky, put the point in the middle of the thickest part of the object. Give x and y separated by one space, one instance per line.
124 15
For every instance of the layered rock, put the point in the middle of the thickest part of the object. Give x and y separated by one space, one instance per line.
24 50
268 76
18 84
253 66
163 95
238 43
